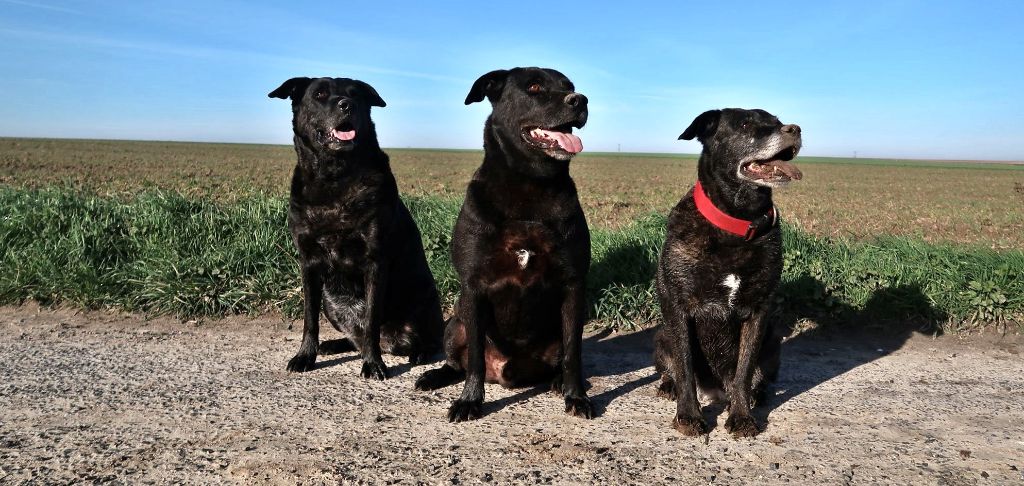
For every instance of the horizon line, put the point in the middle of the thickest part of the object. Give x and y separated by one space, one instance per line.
455 149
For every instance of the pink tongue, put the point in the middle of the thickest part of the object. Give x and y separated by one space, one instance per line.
349 135
569 142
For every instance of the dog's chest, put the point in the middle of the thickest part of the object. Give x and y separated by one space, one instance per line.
328 238
524 255
734 287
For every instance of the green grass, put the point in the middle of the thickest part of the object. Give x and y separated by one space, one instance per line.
161 252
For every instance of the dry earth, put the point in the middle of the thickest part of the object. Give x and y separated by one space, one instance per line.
96 396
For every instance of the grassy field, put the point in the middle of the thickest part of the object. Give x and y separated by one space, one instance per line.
980 205
199 230
166 253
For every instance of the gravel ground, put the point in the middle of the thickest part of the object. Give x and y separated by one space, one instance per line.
97 396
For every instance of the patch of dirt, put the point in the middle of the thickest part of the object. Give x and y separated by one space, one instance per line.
98 396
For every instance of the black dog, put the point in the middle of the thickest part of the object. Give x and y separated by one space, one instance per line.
521 247
359 249
720 267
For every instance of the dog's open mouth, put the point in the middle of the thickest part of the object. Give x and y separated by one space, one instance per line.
558 142
776 169
341 135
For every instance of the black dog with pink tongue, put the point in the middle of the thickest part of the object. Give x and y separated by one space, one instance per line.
521 248
360 251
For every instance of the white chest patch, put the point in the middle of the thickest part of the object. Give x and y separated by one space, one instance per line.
732 282
524 258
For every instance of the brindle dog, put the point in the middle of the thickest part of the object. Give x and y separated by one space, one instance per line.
715 287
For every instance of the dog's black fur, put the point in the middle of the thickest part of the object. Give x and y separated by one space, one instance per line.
715 288
521 248
360 251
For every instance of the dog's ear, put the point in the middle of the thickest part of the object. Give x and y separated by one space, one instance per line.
703 126
293 88
489 85
371 94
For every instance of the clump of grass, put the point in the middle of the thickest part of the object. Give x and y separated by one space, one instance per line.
162 252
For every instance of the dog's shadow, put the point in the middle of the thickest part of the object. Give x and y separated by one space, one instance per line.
340 352
844 338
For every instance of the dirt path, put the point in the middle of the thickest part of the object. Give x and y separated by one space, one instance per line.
97 396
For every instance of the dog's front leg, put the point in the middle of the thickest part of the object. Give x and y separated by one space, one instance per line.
468 406
312 294
373 363
573 312
740 422
688 420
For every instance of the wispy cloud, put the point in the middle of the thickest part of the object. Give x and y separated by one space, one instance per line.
43 6
199 52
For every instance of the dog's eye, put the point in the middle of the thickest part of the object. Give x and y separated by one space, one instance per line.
320 95
534 88
745 125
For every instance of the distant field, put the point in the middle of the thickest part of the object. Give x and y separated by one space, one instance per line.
957 202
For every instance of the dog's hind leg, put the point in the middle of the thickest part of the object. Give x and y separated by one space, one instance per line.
337 346
740 422
312 293
439 378
451 372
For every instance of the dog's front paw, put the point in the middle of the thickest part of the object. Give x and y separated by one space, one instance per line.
667 390
742 425
464 410
302 363
374 369
689 426
579 407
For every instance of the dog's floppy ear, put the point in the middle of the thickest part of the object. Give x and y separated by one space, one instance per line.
489 85
293 88
703 126
371 94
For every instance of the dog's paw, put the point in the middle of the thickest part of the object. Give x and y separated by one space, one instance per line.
416 359
374 370
302 363
742 426
689 426
337 346
579 407
464 410
431 380
556 384
667 390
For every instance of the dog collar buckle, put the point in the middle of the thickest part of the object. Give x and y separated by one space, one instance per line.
762 225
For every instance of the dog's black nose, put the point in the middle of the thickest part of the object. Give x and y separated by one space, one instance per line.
791 129
575 99
345 104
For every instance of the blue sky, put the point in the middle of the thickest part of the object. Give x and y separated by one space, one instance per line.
920 79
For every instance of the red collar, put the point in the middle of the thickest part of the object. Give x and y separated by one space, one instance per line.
747 230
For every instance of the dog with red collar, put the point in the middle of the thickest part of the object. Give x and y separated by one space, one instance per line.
720 267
